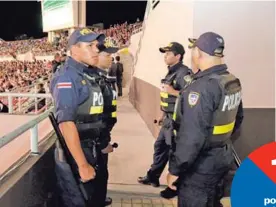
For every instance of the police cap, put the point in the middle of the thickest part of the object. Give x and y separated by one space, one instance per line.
210 43
84 35
108 47
174 47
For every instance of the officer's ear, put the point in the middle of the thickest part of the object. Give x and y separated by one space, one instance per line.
178 56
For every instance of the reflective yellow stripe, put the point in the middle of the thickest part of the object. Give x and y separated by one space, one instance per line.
223 129
96 110
164 95
114 115
174 116
174 131
114 102
164 104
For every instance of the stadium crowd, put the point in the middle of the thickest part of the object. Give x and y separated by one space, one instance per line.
120 33
17 75
22 76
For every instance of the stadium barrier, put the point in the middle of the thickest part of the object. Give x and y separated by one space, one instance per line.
11 96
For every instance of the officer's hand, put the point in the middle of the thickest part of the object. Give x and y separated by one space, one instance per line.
87 173
170 90
108 149
160 120
171 180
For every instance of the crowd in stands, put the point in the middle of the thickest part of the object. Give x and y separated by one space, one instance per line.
24 77
21 76
120 33
17 75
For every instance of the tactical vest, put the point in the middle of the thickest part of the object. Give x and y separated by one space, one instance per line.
178 103
168 101
110 99
110 103
89 114
225 115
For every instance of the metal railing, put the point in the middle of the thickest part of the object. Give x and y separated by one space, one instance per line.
24 95
32 126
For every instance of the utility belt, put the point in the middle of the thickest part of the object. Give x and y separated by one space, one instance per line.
89 143
90 130
110 115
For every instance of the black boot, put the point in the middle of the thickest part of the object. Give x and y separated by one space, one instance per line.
149 181
108 201
168 193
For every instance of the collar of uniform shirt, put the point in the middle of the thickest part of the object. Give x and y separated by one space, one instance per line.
102 71
73 63
174 67
215 69
92 70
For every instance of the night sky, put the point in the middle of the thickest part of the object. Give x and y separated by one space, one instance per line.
18 18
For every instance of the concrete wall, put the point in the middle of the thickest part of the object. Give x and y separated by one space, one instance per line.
32 185
249 32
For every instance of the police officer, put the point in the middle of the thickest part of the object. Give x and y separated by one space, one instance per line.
109 119
176 78
205 118
78 106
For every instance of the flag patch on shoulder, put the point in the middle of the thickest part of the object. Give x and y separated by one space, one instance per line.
64 85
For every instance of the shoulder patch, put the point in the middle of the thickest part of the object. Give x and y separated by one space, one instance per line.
83 82
187 78
193 98
64 85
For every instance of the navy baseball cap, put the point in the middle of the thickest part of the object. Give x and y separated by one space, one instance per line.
84 35
210 43
173 46
106 47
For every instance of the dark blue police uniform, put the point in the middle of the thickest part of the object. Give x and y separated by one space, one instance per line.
109 118
77 99
176 79
208 112
199 165
162 143
68 90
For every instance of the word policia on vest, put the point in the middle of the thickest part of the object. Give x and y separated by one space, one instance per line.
232 101
97 99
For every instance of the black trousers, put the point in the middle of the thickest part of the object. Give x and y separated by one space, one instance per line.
200 190
70 194
102 179
160 156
